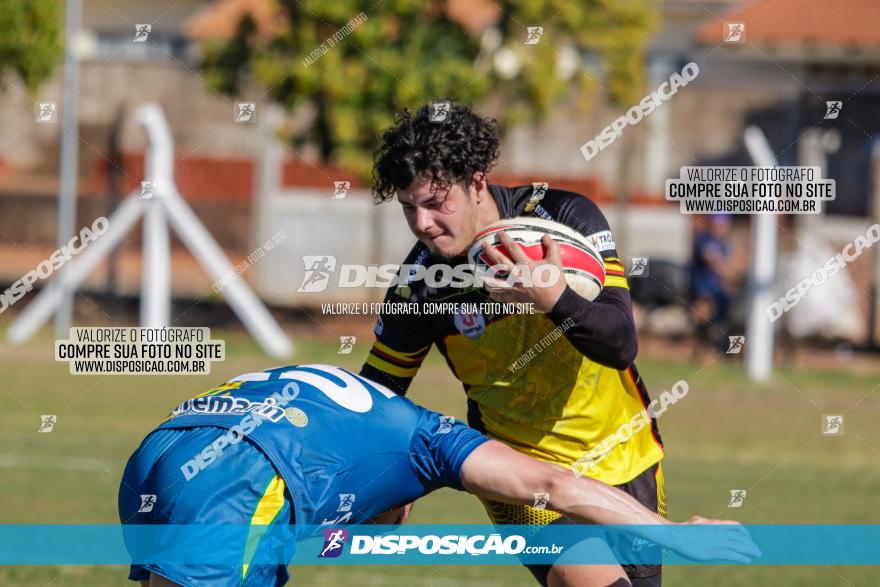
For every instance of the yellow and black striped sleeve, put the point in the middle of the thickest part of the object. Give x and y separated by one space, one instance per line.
402 339
402 343
614 273
393 368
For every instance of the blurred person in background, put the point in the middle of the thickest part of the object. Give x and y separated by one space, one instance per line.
713 279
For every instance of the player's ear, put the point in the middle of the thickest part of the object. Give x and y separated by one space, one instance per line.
479 184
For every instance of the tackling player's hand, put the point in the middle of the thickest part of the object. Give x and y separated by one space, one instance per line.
514 290
729 543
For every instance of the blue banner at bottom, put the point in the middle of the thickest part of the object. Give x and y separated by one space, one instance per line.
676 544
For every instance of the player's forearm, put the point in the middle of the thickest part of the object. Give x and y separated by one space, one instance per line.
498 472
589 501
593 502
604 330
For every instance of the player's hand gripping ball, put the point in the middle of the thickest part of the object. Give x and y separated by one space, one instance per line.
582 265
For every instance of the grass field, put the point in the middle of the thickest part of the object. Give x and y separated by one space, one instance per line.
726 434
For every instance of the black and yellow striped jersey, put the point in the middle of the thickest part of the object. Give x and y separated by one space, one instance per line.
567 398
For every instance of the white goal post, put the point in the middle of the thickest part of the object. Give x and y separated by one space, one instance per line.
165 205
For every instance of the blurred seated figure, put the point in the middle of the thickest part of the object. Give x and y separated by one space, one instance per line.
713 279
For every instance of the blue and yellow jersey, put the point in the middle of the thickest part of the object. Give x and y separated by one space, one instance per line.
566 399
296 448
326 432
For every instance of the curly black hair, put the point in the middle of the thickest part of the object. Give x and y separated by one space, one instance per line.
446 152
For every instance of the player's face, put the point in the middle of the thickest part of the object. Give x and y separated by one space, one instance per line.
444 221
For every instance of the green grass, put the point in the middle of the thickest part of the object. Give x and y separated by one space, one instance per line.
727 433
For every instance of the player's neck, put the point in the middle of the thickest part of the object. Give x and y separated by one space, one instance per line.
487 209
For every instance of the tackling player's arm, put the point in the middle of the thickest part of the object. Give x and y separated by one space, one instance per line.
494 470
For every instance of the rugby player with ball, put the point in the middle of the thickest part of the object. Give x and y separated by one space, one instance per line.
569 395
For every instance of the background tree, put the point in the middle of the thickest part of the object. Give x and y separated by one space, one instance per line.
31 39
409 52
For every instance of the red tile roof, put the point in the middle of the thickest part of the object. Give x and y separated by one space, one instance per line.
473 15
846 23
220 20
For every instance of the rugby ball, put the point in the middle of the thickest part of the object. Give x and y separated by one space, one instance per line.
582 264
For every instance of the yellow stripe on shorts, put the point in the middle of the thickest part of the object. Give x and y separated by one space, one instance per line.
265 513
661 492
518 514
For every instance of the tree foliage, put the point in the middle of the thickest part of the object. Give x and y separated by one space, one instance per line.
409 52
31 39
